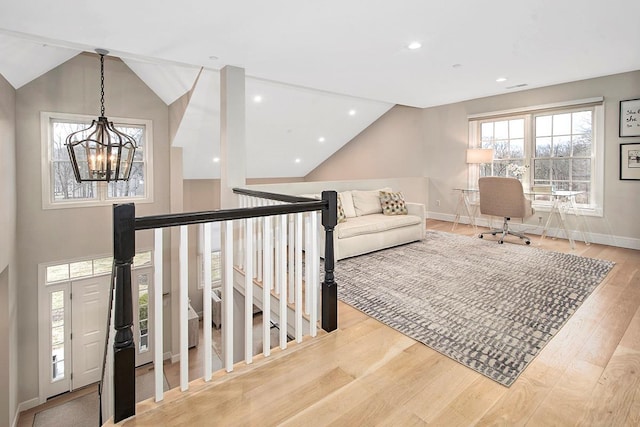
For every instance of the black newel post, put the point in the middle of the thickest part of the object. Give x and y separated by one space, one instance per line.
124 352
329 286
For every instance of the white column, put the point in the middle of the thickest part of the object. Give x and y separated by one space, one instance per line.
232 134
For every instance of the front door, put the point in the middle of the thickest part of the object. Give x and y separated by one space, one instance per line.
89 304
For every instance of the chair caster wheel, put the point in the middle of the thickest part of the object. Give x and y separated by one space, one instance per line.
500 241
528 242
480 236
493 234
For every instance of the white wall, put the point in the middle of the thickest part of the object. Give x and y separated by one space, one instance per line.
62 234
8 269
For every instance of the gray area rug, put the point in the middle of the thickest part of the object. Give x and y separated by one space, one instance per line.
490 307
80 412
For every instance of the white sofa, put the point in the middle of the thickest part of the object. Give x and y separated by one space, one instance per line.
366 229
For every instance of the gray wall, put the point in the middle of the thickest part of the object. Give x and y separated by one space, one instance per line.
8 268
61 234
432 142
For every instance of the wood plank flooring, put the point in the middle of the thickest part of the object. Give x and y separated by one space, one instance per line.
365 373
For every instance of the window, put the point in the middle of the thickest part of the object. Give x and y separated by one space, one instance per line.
216 261
90 267
558 146
60 188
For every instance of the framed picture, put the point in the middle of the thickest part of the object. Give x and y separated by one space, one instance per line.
630 117
630 161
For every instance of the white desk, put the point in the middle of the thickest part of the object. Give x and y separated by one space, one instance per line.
466 206
564 202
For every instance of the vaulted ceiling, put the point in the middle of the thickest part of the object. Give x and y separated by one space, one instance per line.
314 61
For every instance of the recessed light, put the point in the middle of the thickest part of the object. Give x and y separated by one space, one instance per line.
298 160
216 159
352 112
501 79
414 45
213 58
257 99
321 139
457 65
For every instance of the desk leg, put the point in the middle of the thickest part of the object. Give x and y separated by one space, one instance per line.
581 222
470 212
563 223
554 209
458 209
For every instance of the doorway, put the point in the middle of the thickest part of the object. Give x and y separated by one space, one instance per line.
73 322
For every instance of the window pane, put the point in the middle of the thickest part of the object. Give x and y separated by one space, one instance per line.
541 171
142 258
487 131
81 269
102 265
543 126
501 150
562 124
560 169
500 168
561 146
516 128
581 170
517 148
581 122
582 145
57 272
57 335
543 147
134 187
585 187
65 186
501 130
144 343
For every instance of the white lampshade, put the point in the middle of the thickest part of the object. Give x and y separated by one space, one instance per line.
479 155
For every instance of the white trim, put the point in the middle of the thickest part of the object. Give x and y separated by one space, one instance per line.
533 108
102 198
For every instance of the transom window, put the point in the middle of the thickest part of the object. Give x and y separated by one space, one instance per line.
60 188
559 147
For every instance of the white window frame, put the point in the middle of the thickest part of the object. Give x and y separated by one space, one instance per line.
595 208
102 198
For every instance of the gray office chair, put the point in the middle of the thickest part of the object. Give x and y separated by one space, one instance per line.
504 197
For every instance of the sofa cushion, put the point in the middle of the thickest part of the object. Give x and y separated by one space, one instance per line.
341 216
374 223
347 204
393 203
367 202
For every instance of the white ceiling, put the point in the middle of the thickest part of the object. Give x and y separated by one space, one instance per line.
348 52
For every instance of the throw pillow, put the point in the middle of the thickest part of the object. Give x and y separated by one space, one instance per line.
341 216
347 204
393 203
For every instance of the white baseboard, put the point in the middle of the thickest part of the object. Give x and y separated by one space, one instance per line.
25 406
602 239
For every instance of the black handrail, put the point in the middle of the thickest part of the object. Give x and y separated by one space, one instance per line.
125 224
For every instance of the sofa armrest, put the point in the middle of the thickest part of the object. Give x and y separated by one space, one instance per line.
418 210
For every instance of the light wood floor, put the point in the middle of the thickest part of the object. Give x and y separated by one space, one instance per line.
365 373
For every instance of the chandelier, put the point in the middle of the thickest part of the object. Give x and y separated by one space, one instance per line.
101 152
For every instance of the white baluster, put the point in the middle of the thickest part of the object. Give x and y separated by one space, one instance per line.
291 262
184 309
315 273
157 314
206 298
266 287
227 297
307 260
248 295
283 281
298 296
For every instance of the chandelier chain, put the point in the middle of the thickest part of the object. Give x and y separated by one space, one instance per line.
102 85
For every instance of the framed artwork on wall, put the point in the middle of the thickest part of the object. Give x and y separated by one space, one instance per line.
630 117
630 161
